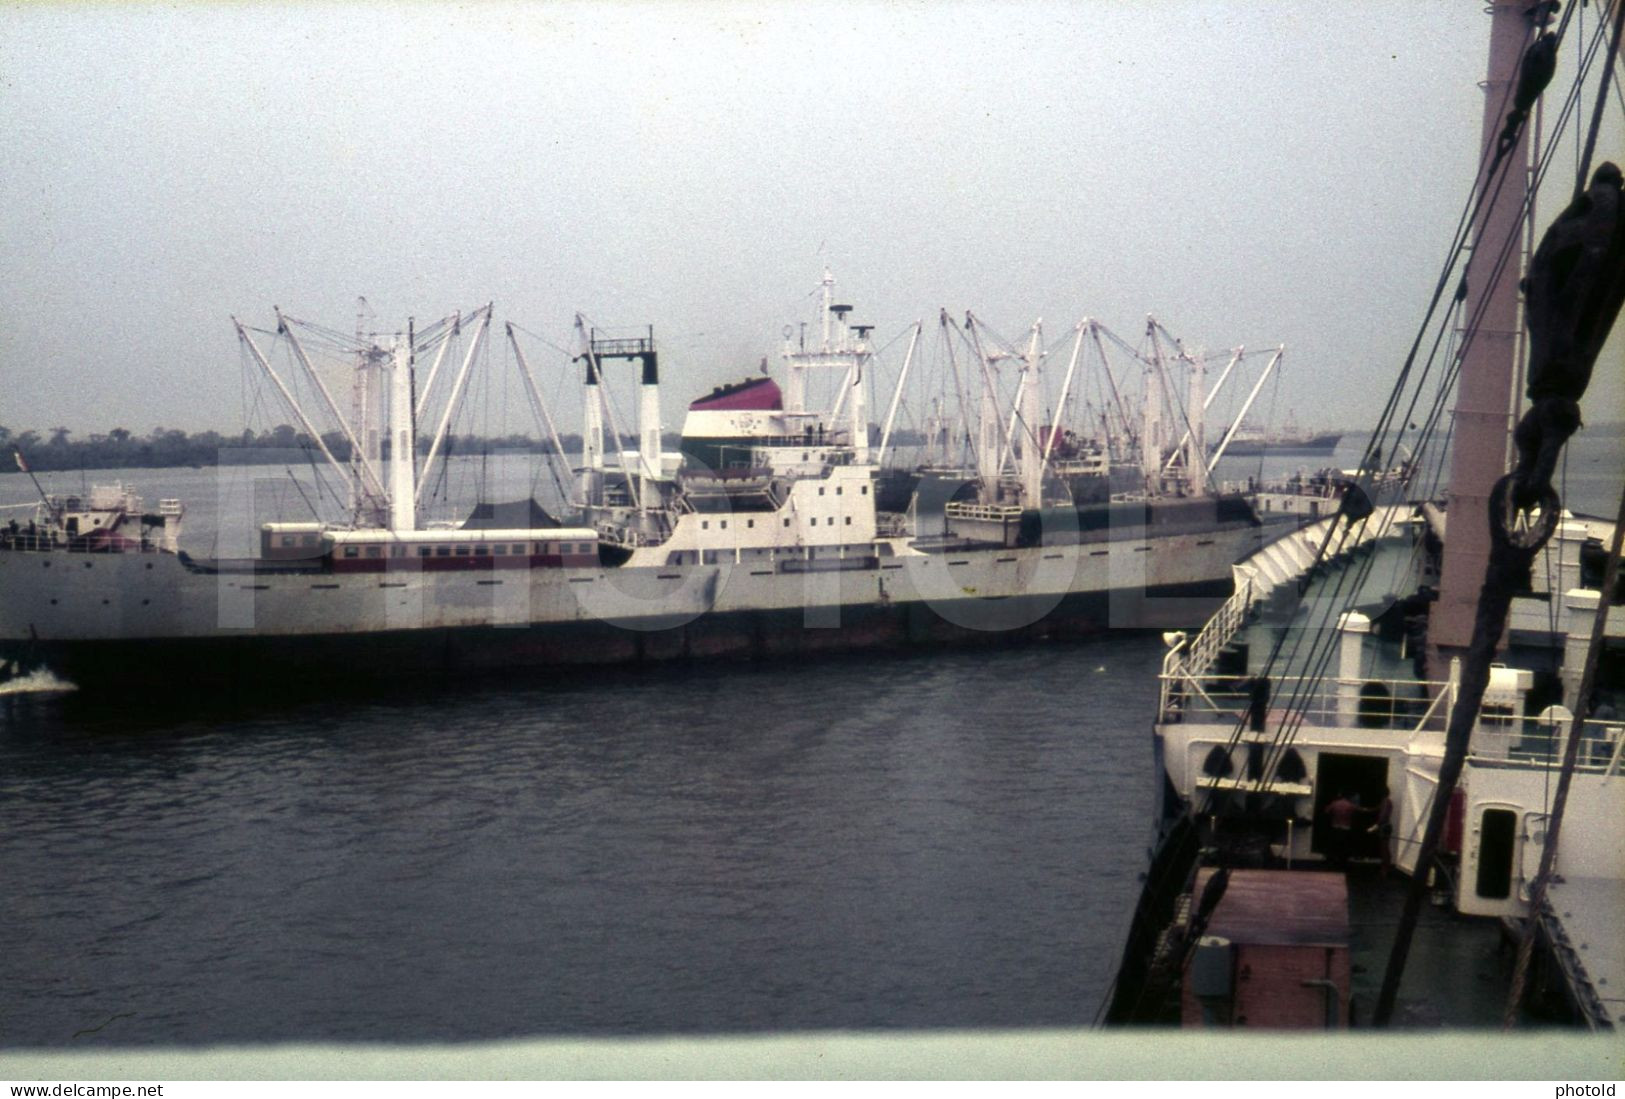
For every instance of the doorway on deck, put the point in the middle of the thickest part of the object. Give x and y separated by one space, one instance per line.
1362 778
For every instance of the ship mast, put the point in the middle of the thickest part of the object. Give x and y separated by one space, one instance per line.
402 490
1031 411
1484 395
844 347
1151 423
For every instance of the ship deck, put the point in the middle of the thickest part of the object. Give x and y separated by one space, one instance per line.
1581 925
1459 970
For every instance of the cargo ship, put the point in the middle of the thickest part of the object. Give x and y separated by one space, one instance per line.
765 534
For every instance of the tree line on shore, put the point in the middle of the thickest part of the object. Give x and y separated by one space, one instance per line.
163 447
120 448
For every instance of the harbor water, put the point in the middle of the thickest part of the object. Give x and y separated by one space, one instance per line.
918 840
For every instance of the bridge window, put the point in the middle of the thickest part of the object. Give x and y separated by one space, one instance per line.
442 551
424 551
351 551
482 551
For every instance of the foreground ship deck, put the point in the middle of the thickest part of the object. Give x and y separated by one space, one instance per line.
1252 759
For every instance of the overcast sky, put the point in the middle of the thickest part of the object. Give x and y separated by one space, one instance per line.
1250 173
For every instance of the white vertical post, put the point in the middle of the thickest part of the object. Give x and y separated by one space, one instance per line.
829 285
1066 390
402 491
1151 427
1032 461
1353 626
592 435
1196 447
988 458
649 428
860 404
592 421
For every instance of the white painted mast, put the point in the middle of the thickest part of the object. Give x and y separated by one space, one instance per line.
1151 426
1235 424
1114 443
1066 390
649 427
592 423
365 480
1196 444
841 346
402 433
988 458
458 388
858 402
434 367
1032 461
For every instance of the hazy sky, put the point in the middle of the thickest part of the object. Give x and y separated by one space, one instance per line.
1258 173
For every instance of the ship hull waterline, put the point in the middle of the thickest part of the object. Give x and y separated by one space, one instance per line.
121 623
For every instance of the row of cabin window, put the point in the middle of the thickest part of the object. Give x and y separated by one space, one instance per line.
864 489
705 524
502 550
750 555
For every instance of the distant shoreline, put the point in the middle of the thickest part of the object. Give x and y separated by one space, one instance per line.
175 449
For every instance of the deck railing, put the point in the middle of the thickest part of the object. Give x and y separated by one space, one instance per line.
1181 661
1409 705
1404 705
1538 743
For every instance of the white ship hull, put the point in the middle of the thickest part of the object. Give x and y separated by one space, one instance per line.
124 617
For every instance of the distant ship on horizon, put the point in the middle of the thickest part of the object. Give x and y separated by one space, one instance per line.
1288 439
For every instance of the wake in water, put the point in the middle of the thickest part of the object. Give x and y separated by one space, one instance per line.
40 679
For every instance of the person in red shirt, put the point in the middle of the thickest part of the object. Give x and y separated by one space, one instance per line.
1341 812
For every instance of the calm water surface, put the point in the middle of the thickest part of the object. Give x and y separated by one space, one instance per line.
941 841
933 840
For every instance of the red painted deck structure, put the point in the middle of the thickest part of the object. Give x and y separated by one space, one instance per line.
1275 954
